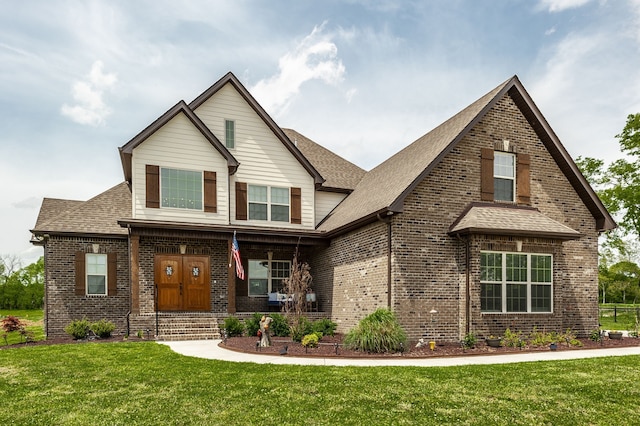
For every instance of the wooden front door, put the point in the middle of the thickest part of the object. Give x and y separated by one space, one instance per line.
182 283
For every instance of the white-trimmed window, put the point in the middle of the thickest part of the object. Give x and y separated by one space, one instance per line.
516 282
268 203
230 133
181 189
266 277
504 176
96 274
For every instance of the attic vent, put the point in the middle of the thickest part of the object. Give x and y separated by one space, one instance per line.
505 145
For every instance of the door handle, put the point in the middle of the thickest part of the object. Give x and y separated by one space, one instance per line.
180 289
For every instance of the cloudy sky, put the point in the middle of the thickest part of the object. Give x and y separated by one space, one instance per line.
364 78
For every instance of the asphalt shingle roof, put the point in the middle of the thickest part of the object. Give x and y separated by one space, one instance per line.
510 220
98 215
337 172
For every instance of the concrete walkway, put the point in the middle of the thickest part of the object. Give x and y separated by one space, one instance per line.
209 349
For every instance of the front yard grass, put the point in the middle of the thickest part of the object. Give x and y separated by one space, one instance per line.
144 383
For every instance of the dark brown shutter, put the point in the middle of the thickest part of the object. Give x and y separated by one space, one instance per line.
486 175
242 288
80 276
210 192
241 201
153 186
523 179
296 205
112 274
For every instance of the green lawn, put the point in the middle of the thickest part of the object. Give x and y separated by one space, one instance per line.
145 383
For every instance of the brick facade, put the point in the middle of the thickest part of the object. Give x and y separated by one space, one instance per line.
62 305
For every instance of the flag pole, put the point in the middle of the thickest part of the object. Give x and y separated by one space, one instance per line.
231 252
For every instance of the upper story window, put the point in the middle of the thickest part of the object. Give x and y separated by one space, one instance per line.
266 277
268 203
515 282
96 274
504 176
230 133
181 189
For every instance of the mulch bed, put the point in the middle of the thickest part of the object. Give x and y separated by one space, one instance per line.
327 348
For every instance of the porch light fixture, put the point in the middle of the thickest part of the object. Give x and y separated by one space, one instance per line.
95 248
183 248
518 245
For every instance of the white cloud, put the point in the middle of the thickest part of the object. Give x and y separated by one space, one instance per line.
90 108
560 5
314 58
28 203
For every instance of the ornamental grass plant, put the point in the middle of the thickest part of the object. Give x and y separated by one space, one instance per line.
377 332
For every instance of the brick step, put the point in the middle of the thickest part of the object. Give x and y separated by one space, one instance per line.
187 326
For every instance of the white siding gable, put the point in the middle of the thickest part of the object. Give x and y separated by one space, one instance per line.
179 145
263 158
326 202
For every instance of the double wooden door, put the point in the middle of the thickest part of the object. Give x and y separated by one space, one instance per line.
183 282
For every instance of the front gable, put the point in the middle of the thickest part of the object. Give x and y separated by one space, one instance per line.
272 170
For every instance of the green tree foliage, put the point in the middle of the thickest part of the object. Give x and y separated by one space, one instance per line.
21 288
620 283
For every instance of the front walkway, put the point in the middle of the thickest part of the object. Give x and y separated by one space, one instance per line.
209 349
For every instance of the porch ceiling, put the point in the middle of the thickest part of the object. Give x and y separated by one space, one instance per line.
217 232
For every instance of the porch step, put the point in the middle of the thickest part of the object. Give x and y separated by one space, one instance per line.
187 326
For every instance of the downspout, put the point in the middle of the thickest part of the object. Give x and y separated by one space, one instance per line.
130 277
387 220
467 259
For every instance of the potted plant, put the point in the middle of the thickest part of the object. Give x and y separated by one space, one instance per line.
615 334
493 341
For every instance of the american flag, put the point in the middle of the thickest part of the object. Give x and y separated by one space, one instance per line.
235 250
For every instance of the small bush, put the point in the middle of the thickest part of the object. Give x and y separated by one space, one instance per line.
310 340
469 341
513 339
78 329
325 326
234 326
301 329
377 332
103 328
279 326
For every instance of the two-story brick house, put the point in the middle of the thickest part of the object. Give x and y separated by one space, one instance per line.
481 224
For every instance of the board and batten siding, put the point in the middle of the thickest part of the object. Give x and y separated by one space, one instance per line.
179 145
264 160
326 202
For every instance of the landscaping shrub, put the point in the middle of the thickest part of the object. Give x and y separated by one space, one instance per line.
11 323
78 329
325 326
279 326
377 332
234 326
301 329
103 328
469 341
310 340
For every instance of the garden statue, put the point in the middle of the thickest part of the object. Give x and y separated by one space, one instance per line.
265 339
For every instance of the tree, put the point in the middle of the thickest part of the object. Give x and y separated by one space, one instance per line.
618 186
21 288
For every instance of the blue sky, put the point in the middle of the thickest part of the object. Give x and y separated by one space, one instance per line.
364 78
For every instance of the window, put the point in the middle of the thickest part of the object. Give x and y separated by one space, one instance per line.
96 271
515 282
181 189
230 133
266 277
268 203
504 176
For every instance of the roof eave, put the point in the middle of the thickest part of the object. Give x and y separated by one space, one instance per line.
517 233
